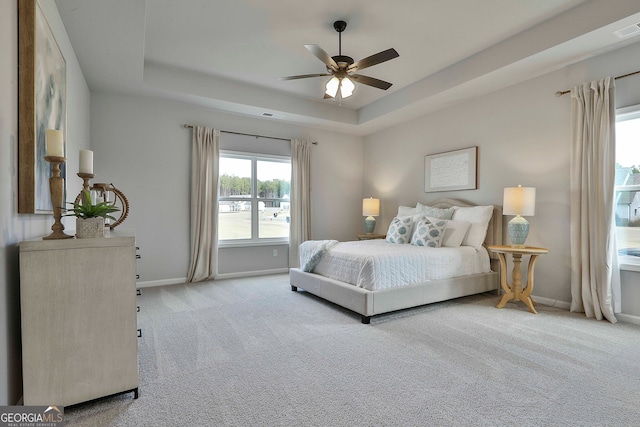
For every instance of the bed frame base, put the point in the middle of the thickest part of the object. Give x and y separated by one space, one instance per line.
370 303
364 319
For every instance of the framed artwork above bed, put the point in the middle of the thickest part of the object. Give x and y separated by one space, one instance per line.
451 171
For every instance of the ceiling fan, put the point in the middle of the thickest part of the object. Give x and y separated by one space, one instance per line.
342 68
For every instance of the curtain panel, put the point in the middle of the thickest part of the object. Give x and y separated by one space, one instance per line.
205 154
300 225
594 272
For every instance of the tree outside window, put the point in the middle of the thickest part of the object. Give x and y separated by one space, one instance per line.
254 198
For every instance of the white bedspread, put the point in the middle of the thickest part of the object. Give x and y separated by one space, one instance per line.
376 264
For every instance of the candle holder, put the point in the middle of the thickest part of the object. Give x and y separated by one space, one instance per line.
86 177
56 186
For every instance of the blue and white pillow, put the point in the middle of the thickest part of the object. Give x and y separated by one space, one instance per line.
400 230
429 232
432 212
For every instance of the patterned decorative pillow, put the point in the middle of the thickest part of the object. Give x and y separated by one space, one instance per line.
429 232
400 230
425 210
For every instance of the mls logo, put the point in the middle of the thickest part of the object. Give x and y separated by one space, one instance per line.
31 416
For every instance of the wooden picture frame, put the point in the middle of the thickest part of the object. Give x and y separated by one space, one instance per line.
41 105
451 171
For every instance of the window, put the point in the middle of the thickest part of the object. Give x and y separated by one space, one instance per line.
254 199
628 185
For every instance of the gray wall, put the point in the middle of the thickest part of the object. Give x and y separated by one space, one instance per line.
523 136
140 146
13 227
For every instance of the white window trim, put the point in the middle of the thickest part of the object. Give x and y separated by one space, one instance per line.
628 263
627 113
257 241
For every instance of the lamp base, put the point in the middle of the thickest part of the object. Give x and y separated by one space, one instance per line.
369 224
518 231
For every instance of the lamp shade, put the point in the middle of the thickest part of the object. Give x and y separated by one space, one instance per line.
370 207
346 88
519 201
332 87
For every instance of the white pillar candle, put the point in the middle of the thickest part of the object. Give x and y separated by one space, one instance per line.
54 143
86 161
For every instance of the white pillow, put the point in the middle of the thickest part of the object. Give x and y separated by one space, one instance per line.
479 217
454 233
406 211
432 212
400 230
429 232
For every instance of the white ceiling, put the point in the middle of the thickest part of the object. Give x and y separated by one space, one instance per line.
229 55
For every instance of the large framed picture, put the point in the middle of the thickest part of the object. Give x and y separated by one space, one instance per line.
450 171
42 95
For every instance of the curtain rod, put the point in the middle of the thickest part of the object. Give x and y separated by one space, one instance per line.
248 134
563 92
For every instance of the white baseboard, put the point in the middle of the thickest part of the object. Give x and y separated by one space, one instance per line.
628 318
164 282
552 302
252 273
182 280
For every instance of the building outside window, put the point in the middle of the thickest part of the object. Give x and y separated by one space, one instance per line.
254 199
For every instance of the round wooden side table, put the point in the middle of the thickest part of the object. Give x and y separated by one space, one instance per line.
515 291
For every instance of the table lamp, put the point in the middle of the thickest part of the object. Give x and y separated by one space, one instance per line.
519 201
370 208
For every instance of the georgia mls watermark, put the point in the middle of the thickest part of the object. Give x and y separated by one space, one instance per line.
31 416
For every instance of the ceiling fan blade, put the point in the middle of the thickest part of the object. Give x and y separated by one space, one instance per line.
370 81
303 76
372 60
322 55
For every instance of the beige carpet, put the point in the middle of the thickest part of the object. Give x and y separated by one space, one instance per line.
249 352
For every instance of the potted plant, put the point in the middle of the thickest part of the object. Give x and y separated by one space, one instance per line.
90 217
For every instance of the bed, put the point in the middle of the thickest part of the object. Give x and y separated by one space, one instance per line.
358 288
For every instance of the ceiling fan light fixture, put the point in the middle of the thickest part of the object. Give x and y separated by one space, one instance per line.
332 87
342 68
346 88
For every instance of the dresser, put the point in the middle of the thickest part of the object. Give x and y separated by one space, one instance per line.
79 327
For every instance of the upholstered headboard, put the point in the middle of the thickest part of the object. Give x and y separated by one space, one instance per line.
494 230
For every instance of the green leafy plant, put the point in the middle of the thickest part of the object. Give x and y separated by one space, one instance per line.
86 209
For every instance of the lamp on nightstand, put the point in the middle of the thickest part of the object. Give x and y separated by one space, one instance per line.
370 208
519 201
